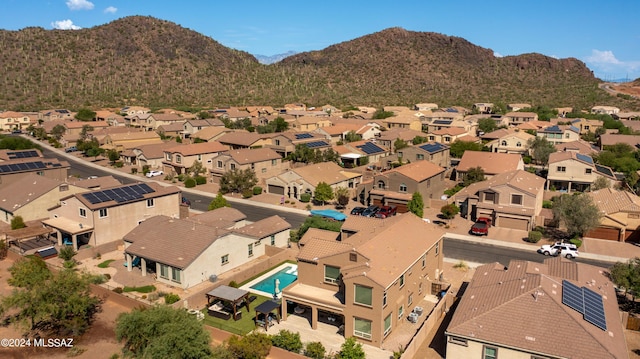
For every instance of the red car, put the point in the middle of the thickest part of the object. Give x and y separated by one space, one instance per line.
481 227
386 211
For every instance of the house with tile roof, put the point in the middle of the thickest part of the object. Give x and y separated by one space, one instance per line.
572 171
94 183
519 311
179 159
448 135
389 137
30 197
111 118
560 133
579 146
433 152
128 140
88 218
608 139
211 133
403 120
513 142
337 132
264 162
370 281
134 110
491 162
605 110
586 125
14 170
56 114
482 107
517 106
512 200
436 122
285 142
12 120
296 181
191 126
353 154
396 186
425 106
620 215
309 123
147 155
516 118
243 139
187 252
170 130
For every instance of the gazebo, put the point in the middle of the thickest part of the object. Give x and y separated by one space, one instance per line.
266 308
234 296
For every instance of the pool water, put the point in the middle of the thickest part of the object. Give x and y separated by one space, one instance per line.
286 276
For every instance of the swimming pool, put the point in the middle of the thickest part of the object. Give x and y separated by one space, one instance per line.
286 275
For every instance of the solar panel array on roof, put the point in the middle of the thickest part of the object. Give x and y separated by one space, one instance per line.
62 111
451 110
300 136
574 129
17 167
433 147
552 129
584 158
604 170
120 194
22 154
442 122
586 302
370 148
315 144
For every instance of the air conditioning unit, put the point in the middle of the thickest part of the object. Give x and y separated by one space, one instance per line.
213 278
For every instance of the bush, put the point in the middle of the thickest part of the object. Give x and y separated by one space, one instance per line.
526 160
98 279
315 350
189 182
107 276
247 193
287 340
171 298
547 204
161 294
118 164
118 290
451 191
182 177
201 180
305 197
234 284
534 237
146 169
17 222
576 241
153 296
257 190
134 170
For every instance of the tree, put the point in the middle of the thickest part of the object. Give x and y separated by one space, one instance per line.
342 196
280 125
540 149
416 204
57 131
419 139
475 174
238 181
218 202
251 346
351 349
287 340
113 155
487 125
84 133
382 114
627 275
17 222
399 144
85 114
315 350
578 213
323 193
204 115
196 168
316 222
28 272
352 136
162 332
458 148
600 183
449 211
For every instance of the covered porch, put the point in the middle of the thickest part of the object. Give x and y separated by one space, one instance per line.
29 240
315 304
227 300
69 232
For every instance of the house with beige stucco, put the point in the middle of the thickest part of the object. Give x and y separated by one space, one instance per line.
179 159
403 120
514 141
560 133
620 219
12 120
264 162
433 152
571 171
14 169
492 163
128 140
187 252
517 118
296 181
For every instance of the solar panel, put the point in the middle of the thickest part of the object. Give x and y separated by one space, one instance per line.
442 122
315 144
572 296
604 170
432 147
552 129
584 158
4 168
370 148
300 136
594 308
91 197
145 187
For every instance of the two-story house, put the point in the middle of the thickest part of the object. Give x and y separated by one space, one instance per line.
14 170
88 218
449 135
425 106
441 120
512 200
212 133
265 162
285 142
396 187
309 123
243 139
192 126
586 125
492 163
337 132
433 152
517 106
482 107
403 120
128 140
511 142
516 118
560 133
179 159
605 110
297 181
572 171
11 120
359 152
369 280
620 219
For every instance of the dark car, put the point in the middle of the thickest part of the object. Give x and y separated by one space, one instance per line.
16 131
370 211
186 201
481 227
357 211
71 149
386 211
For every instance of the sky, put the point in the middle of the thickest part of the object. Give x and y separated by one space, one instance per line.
603 34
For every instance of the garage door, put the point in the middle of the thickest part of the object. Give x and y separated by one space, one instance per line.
632 236
513 223
276 189
377 202
608 233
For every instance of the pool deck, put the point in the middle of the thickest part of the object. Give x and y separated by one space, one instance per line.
267 275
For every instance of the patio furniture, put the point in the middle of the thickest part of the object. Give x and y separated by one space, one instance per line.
298 310
266 308
219 311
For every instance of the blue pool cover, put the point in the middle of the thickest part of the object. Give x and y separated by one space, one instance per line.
329 213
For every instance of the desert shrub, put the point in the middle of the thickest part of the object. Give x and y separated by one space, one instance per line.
576 241
534 237
305 197
118 164
189 183
134 170
107 276
247 193
287 340
315 350
233 284
547 204
171 298
98 279
118 290
257 190
182 177
201 180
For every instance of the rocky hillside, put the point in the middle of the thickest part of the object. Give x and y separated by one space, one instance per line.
143 60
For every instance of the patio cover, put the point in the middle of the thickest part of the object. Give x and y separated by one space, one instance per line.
266 308
230 294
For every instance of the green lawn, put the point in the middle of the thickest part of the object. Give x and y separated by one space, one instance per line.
143 289
106 263
240 327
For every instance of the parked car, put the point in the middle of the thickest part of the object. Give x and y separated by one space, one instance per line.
386 211
481 227
71 149
16 131
154 173
370 211
357 211
566 250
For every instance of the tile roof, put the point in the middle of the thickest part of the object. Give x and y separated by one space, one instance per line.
318 234
520 306
315 249
518 179
451 131
226 214
172 127
91 183
611 201
492 163
240 138
264 227
139 135
156 150
612 139
327 172
198 148
418 171
80 124
253 155
210 132
581 146
159 191
30 187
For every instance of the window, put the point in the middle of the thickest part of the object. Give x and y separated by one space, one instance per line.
250 249
164 271
420 288
150 202
362 328
233 166
199 157
561 169
274 162
103 213
219 164
503 143
403 187
253 166
384 299
273 239
178 159
587 171
175 275
447 139
353 257
432 138
400 311
419 156
224 259
489 352
519 144
362 295
489 197
400 154
381 185
387 325
437 248
83 213
586 127
424 261
458 340
264 170
516 199
277 142
410 300
331 274
567 135
429 183
402 281
168 156
633 215
64 187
